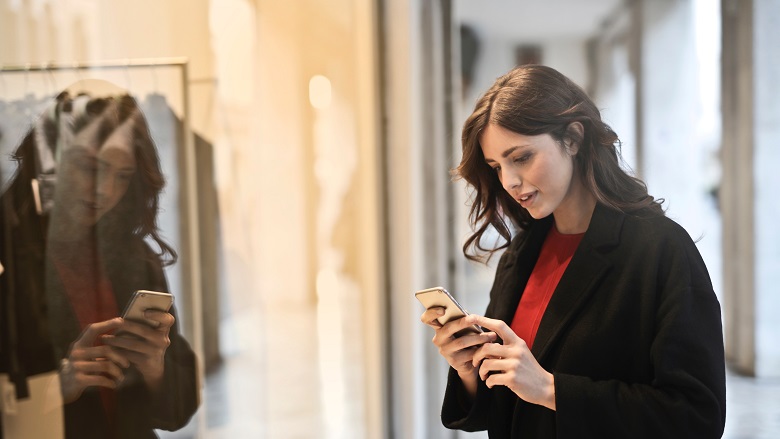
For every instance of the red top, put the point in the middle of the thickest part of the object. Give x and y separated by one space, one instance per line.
84 281
91 296
556 253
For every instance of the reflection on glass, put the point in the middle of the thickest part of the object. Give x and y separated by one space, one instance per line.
79 233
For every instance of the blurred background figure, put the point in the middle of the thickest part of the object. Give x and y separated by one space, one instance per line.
80 235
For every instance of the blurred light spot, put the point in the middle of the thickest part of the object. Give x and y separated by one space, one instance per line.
319 92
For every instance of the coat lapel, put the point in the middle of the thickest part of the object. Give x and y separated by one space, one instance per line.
513 275
579 281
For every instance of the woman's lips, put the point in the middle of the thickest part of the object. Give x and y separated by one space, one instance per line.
91 206
525 200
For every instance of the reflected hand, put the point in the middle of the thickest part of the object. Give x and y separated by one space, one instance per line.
512 364
88 365
143 345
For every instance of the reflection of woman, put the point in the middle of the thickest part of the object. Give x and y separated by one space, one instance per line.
74 268
602 321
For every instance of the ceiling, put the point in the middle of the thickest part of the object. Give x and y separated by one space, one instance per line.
534 20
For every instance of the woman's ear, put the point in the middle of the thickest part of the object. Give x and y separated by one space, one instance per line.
575 132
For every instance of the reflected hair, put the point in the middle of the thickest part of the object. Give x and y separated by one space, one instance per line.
136 213
532 100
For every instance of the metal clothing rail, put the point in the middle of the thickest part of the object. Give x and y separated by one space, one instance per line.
98 65
190 254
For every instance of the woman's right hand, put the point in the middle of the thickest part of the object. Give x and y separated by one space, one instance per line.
458 351
88 365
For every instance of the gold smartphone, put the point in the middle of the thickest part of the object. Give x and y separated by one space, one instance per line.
438 296
143 300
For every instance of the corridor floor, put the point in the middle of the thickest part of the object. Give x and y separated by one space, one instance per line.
753 409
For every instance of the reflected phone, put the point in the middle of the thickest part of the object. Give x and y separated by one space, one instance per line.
143 300
438 296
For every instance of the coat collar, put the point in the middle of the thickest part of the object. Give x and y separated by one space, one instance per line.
579 281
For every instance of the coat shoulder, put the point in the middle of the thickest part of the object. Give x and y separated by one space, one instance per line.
667 245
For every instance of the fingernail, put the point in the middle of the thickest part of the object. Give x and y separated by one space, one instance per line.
440 311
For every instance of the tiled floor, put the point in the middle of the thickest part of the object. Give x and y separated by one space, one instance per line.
272 388
753 408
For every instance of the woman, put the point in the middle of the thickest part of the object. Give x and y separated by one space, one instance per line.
76 221
602 321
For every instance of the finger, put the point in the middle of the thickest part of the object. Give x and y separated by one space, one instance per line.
453 327
498 326
461 358
97 352
497 378
142 330
91 332
98 367
156 342
491 366
127 344
88 380
450 344
431 316
490 350
105 352
163 319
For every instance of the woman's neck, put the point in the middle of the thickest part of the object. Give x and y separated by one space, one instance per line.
573 216
63 231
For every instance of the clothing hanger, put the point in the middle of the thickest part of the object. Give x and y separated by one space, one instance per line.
128 82
3 92
29 98
51 81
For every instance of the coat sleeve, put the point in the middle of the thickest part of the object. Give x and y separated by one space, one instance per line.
459 411
686 396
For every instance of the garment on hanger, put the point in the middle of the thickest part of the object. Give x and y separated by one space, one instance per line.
16 117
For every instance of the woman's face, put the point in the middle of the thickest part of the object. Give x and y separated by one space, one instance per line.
93 177
535 170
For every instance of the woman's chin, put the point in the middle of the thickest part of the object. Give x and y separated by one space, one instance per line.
537 213
84 217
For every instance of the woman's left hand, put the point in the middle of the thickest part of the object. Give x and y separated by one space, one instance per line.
512 364
144 345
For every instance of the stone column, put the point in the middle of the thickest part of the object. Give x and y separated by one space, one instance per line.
750 156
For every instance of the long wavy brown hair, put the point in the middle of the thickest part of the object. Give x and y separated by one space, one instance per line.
533 100
136 213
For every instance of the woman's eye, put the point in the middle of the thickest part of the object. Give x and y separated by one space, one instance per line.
497 169
86 165
523 158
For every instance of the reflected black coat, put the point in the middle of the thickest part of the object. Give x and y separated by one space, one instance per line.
38 327
632 335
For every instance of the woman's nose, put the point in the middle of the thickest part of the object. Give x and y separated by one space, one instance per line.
510 180
105 186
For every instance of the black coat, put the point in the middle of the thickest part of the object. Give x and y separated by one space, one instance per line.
632 335
37 327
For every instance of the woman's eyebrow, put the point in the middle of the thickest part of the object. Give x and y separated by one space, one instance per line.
506 153
111 165
80 151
